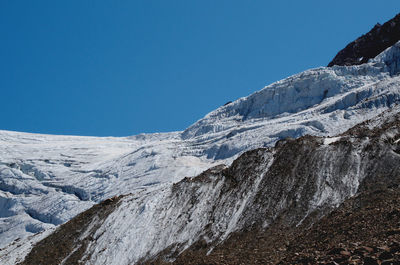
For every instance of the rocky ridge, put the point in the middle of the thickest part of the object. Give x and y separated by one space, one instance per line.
369 45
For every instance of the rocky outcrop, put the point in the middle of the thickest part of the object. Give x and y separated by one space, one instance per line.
363 230
369 45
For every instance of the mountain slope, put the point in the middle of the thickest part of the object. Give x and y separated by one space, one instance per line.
363 230
296 182
46 180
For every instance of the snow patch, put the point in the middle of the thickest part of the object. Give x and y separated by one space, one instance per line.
329 140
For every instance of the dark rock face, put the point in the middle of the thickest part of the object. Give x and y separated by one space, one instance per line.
357 232
354 233
369 45
69 242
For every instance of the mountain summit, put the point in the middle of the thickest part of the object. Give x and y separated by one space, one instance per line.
369 45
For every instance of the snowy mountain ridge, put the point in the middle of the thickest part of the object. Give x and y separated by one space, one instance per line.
46 180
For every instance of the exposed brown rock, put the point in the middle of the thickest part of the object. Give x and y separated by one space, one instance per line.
326 242
66 243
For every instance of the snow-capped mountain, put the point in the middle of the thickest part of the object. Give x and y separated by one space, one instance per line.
46 180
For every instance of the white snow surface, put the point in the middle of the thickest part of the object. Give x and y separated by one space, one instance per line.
45 180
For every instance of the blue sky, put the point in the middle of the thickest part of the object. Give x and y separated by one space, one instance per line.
126 67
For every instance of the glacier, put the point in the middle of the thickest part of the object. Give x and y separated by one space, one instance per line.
45 180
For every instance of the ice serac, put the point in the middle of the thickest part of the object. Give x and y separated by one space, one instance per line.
305 103
369 45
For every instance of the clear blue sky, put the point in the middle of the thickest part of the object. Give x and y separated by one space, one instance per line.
126 67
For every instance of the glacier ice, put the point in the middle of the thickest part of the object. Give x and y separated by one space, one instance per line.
46 180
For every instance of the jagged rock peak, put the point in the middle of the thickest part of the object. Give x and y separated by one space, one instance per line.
369 45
